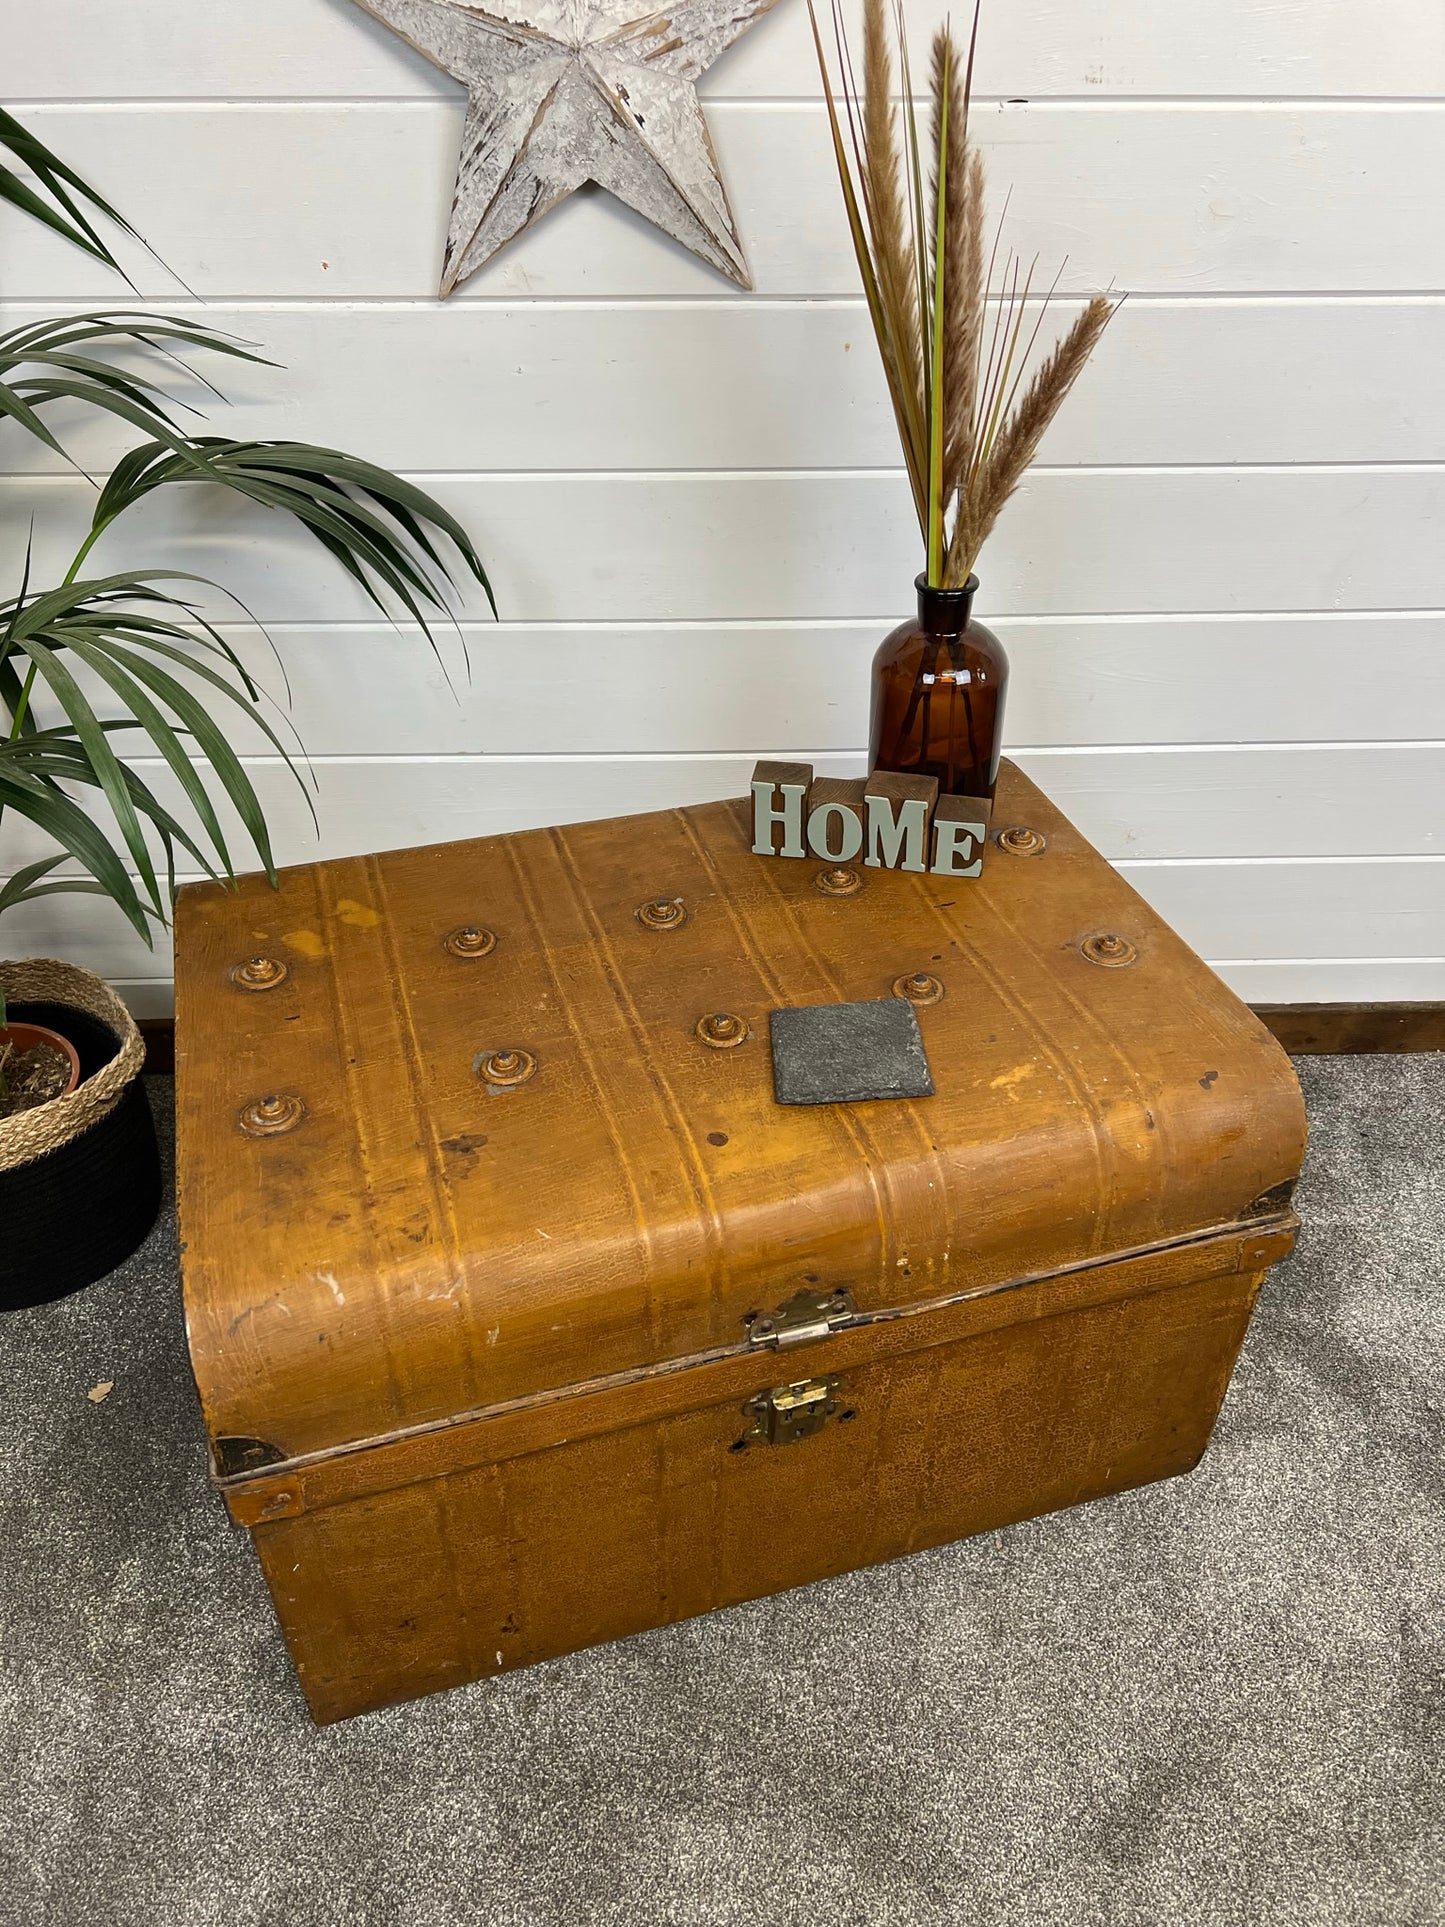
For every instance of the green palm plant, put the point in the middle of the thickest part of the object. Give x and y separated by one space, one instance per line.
169 677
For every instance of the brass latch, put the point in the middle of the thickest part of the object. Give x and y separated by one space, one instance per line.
791 1412
801 1320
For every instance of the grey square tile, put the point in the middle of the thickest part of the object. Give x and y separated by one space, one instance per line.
849 1053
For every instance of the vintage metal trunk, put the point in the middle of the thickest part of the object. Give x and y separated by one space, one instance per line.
524 1316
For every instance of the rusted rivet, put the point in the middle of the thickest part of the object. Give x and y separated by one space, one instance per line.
470 941
1108 948
918 988
504 1068
662 913
1020 840
270 1116
838 882
723 1031
259 973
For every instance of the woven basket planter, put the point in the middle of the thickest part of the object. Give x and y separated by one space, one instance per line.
80 1180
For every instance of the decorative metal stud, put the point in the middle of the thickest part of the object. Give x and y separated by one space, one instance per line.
1020 840
723 1031
662 913
1108 949
505 1068
918 988
838 882
270 1116
470 941
259 973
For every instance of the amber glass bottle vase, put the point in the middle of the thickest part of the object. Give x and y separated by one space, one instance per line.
938 692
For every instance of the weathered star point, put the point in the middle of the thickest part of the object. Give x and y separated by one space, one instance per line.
562 92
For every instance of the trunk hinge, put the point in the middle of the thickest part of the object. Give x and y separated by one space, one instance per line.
801 1320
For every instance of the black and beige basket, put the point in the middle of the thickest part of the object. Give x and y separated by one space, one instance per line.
79 1176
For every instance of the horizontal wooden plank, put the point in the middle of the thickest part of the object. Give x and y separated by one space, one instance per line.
372 690
1299 800
576 386
1326 980
396 803
1281 908
1274 910
326 48
349 201
676 547
1328 800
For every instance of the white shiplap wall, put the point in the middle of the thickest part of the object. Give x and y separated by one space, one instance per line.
1223 590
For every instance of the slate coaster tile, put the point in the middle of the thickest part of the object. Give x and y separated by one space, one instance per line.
849 1053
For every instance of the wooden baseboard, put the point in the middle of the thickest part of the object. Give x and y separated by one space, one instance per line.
1305 1030
159 1035
1352 1030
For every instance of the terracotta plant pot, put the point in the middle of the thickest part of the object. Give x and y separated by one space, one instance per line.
23 1037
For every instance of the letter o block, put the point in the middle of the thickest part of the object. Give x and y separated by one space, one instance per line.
835 818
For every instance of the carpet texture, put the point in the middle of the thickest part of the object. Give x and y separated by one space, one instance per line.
1219 1700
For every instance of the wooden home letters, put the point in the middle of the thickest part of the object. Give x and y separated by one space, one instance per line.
891 821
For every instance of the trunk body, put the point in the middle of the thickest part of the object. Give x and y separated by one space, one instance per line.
497 1369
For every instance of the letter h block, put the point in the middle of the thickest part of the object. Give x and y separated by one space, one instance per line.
780 791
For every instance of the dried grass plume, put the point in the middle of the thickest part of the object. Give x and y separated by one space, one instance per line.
957 330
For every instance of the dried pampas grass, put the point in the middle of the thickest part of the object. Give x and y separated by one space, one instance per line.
970 401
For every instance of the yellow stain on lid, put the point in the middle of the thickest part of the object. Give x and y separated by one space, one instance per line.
360 916
306 941
1008 1079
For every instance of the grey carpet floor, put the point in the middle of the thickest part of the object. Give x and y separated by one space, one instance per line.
1219 1700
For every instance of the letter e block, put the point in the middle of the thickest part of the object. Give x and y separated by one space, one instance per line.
779 791
960 830
898 811
835 818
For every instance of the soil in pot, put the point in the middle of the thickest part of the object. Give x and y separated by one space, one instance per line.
36 1065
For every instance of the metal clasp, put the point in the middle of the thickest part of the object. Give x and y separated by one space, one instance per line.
801 1320
791 1412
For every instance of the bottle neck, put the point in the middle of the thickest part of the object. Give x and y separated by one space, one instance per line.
944 612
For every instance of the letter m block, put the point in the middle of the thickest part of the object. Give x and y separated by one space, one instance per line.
898 811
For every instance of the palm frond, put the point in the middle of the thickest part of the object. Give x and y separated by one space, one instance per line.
48 361
377 526
130 635
42 802
124 642
59 198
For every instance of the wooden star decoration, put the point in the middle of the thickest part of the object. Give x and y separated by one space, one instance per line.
561 92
